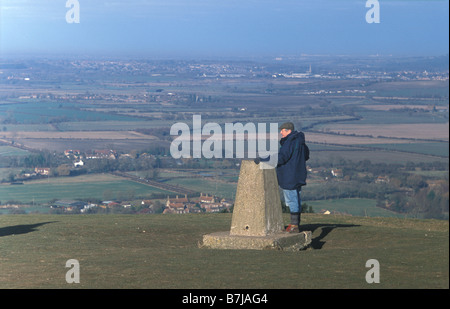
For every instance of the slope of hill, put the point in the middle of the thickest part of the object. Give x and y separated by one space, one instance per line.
161 251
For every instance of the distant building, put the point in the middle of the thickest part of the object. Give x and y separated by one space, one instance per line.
204 203
336 172
79 163
69 205
382 179
180 206
102 154
42 171
70 152
213 207
207 199
176 208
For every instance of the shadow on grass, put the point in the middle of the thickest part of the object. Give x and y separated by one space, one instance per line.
21 229
317 242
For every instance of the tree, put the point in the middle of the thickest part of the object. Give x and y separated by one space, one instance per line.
158 207
63 170
11 177
415 182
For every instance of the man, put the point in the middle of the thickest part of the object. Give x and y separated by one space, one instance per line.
291 171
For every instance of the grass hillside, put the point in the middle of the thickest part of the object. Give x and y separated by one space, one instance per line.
161 251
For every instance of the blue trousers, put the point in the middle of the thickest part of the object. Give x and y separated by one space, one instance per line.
293 200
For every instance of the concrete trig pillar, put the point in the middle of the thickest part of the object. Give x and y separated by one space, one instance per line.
257 221
257 209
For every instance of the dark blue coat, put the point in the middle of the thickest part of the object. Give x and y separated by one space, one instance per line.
291 168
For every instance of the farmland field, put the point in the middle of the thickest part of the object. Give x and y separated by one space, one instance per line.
99 186
5 172
374 155
226 190
8 151
336 139
438 131
437 149
83 135
44 112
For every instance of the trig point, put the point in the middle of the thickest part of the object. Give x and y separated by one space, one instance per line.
257 221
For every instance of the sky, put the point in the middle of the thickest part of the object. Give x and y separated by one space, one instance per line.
224 27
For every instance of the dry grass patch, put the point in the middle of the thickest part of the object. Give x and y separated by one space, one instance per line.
345 140
113 135
437 131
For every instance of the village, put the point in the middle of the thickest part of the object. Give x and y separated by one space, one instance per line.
179 205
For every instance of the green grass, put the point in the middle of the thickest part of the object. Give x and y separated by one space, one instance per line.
5 172
8 151
353 206
389 117
437 149
44 112
161 252
87 186
109 125
375 156
210 186
26 127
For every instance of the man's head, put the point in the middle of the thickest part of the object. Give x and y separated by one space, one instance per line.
286 129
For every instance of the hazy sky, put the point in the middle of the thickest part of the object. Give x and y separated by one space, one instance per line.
224 27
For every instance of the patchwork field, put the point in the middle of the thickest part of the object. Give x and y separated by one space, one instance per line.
98 186
378 156
8 151
430 131
336 139
387 107
83 135
427 148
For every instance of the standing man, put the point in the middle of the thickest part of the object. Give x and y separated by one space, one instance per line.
291 171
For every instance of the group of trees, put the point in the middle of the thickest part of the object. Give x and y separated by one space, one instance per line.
404 188
60 165
427 202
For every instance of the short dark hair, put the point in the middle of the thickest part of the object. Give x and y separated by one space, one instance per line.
287 126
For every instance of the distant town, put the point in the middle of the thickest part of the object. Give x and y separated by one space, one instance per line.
280 68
